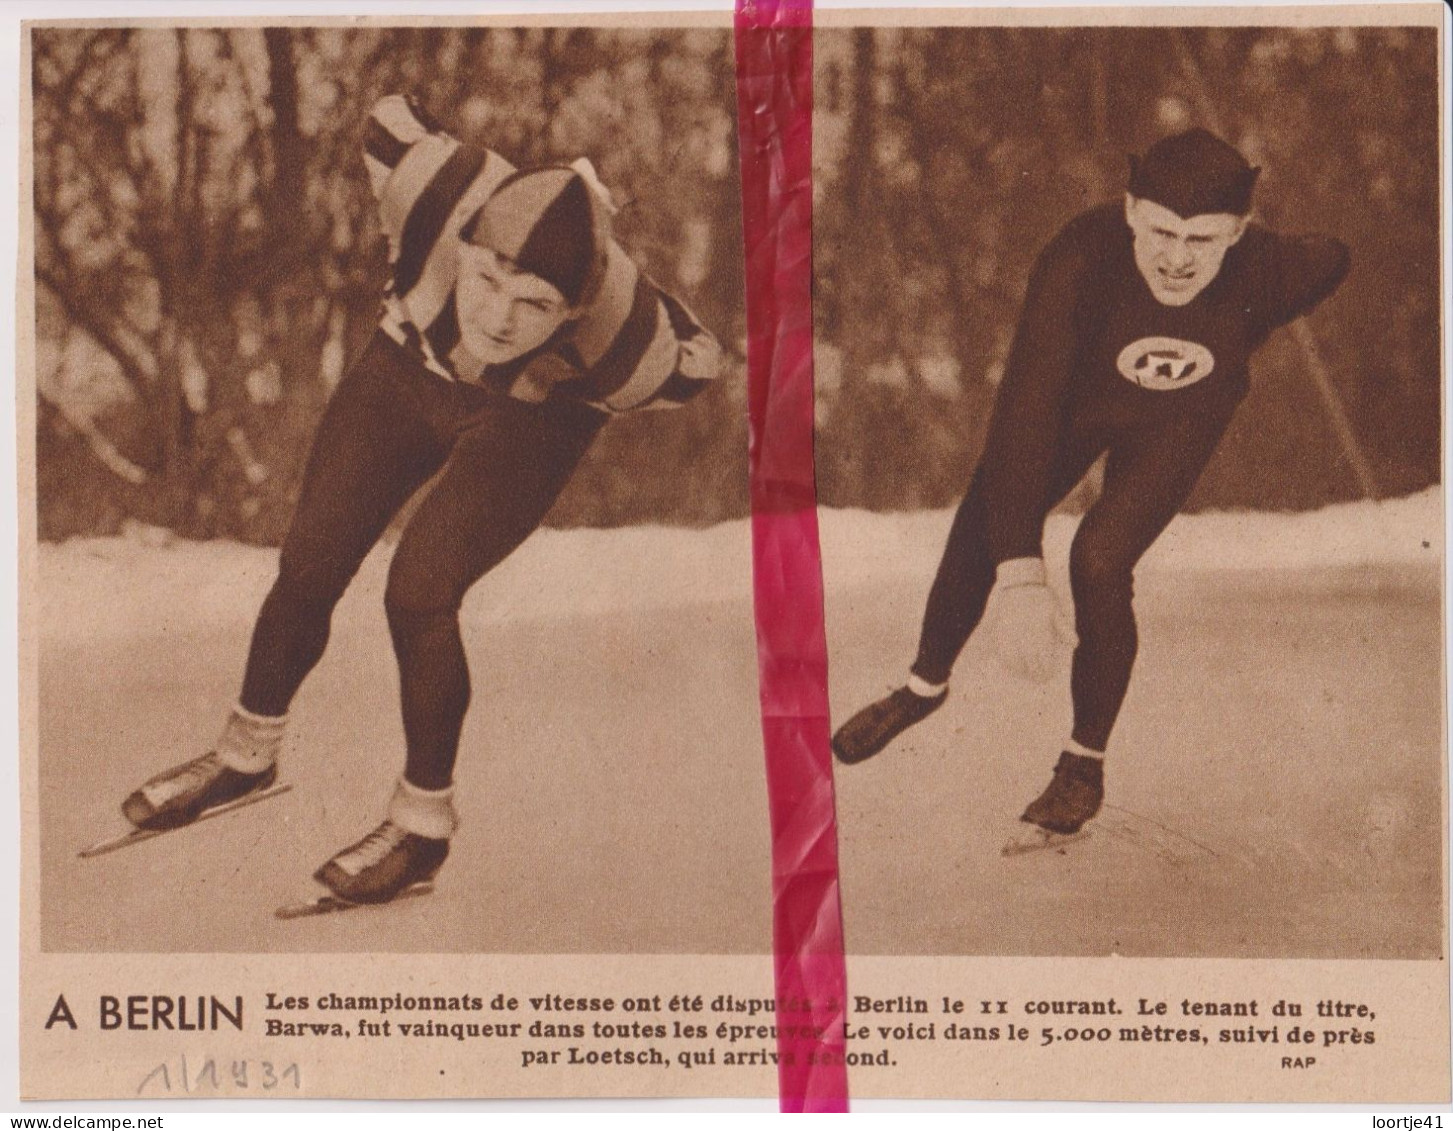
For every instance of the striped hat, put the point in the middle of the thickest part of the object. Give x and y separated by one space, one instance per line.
1192 174
549 222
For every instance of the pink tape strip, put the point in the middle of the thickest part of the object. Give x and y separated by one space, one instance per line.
774 116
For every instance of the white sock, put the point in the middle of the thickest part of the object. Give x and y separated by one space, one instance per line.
923 689
424 812
1084 751
250 743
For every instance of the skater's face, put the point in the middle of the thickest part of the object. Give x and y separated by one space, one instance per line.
504 313
1177 257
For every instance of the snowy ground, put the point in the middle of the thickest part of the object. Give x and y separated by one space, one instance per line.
1280 751
1285 720
610 778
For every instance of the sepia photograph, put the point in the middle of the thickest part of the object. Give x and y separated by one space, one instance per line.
390 485
1130 488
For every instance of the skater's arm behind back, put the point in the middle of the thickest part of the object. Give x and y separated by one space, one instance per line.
1293 274
641 347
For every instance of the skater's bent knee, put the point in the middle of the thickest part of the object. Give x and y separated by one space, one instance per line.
1098 566
310 586
412 613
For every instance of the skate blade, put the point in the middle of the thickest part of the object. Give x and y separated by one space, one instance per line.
328 903
136 836
1032 838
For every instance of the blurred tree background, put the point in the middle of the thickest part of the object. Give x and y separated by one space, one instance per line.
208 256
945 159
208 253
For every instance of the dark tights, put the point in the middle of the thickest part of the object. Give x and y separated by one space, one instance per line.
1154 461
389 427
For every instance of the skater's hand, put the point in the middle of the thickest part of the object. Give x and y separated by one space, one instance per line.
1024 621
699 358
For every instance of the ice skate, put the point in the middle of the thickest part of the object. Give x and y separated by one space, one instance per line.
1025 838
186 794
326 903
180 795
878 724
383 865
1073 796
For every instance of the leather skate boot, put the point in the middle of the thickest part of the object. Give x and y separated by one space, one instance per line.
180 795
408 848
382 864
878 724
1074 795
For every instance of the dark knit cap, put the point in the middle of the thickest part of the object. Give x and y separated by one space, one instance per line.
550 223
1194 173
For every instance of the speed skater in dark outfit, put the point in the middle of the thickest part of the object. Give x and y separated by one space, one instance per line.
1134 341
513 327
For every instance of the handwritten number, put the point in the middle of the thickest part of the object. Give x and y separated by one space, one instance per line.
239 1071
166 1079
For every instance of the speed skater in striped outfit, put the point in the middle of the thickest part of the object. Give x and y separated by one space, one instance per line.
513 328
1134 340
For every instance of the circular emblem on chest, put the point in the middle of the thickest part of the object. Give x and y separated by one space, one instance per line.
1164 363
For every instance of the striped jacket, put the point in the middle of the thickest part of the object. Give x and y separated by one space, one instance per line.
633 347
